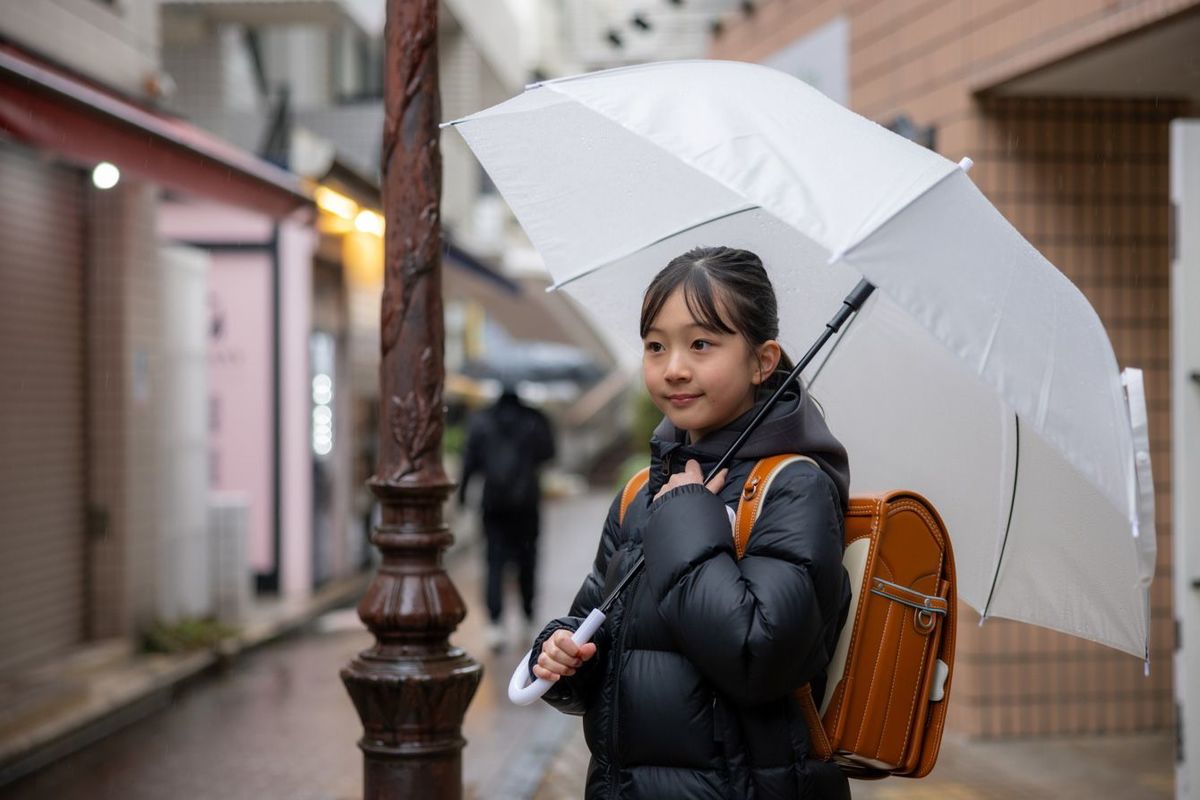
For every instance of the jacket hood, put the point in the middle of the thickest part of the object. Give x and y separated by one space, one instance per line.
794 425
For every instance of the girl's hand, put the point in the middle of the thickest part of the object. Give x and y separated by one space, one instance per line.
560 656
692 474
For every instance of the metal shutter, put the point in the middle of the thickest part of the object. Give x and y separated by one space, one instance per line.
42 448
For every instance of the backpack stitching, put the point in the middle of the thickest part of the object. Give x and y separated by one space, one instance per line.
892 688
862 607
912 708
874 684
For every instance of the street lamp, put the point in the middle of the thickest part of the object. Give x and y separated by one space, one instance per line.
105 175
411 689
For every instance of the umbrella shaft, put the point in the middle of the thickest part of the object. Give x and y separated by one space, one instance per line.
853 302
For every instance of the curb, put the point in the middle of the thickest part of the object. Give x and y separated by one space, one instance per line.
122 694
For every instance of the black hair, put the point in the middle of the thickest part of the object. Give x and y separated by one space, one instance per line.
737 279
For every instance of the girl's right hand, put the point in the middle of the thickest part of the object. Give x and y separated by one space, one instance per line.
560 656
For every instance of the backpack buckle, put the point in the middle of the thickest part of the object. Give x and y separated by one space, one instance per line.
750 489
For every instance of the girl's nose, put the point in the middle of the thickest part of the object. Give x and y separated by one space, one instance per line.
677 368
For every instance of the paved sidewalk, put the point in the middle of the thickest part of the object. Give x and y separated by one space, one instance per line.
277 722
75 701
1139 767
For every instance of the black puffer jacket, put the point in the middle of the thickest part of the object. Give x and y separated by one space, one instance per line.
689 695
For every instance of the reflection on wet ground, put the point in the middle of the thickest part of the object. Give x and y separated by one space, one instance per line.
279 724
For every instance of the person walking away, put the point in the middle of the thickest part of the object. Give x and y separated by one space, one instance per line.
687 689
508 444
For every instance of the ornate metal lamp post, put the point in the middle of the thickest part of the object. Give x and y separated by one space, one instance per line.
411 688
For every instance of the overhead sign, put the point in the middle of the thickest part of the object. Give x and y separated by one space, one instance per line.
821 59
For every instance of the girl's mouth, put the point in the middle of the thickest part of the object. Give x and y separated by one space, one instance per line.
681 400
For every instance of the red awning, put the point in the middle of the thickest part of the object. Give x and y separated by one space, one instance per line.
53 111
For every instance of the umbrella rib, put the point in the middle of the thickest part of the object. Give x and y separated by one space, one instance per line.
595 267
1008 525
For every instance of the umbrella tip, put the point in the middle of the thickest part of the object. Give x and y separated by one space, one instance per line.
965 164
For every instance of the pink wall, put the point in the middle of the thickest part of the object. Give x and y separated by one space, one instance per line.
240 374
212 222
240 405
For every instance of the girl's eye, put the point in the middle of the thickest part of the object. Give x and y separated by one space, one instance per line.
701 344
653 347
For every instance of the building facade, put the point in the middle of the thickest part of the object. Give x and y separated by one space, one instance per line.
1065 109
104 520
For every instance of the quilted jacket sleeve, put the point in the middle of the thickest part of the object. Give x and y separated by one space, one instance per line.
572 695
759 627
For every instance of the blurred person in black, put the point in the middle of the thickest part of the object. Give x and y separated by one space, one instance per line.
508 443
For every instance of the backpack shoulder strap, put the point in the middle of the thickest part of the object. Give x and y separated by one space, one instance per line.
630 491
754 494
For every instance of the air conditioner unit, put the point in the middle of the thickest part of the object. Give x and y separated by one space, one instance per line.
229 520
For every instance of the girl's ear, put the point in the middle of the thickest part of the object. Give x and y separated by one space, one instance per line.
767 357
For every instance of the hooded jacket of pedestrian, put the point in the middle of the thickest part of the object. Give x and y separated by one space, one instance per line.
690 692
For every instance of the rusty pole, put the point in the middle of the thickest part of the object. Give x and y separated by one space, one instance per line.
411 689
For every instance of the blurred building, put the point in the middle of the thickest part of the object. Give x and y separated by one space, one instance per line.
1065 109
104 501
301 82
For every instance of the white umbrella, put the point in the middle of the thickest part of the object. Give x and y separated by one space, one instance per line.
977 374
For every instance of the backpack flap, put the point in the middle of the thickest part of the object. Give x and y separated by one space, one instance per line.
879 712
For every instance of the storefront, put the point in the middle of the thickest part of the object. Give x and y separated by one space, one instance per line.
103 499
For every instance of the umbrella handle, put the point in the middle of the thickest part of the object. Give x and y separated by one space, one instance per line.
521 691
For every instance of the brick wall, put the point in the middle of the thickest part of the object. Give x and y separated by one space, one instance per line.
1085 180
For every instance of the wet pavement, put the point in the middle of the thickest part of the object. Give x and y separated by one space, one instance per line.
1127 767
279 724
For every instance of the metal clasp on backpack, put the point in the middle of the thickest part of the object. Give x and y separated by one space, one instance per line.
750 488
926 605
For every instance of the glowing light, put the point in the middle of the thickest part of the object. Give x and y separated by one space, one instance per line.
322 416
322 389
335 203
105 175
369 221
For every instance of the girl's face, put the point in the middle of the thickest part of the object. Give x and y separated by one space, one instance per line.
700 378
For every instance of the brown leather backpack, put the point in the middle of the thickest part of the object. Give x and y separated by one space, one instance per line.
888 683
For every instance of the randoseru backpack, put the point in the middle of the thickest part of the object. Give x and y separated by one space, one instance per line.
888 683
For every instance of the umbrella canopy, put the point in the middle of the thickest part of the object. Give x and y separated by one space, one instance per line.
514 361
977 374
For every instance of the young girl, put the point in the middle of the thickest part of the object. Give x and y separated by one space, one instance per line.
686 690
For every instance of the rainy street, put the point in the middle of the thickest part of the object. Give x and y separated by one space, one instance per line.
281 273
280 724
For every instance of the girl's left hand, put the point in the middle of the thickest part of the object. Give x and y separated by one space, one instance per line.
692 474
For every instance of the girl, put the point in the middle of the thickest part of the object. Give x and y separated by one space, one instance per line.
686 691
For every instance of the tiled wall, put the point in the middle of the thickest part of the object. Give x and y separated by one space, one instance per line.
1085 180
126 396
